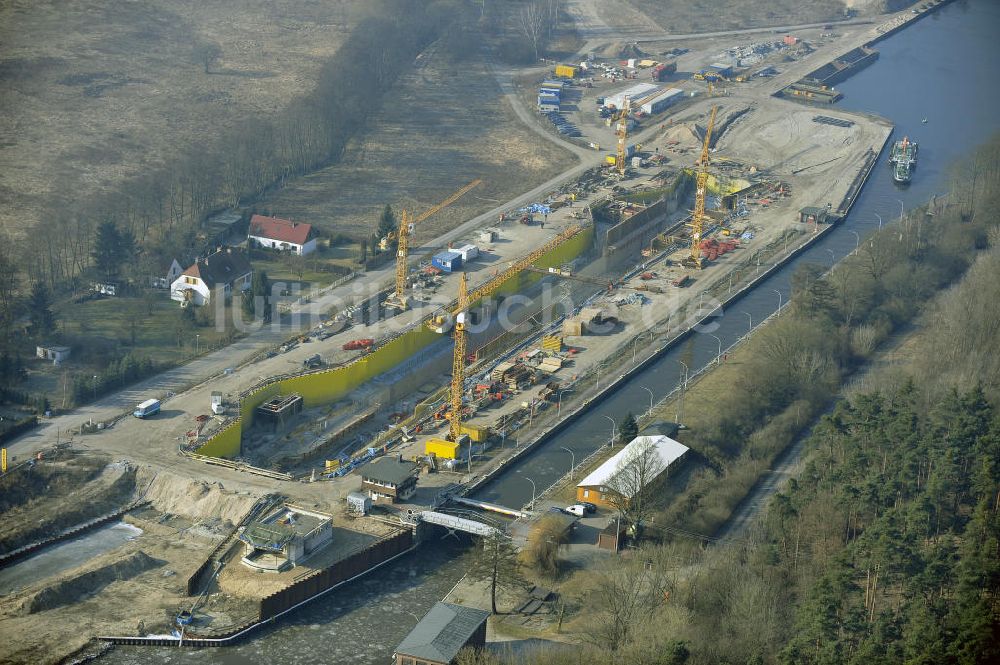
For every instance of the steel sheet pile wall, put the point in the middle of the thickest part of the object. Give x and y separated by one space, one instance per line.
343 570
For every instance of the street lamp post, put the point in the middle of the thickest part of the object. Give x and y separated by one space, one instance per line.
687 371
857 241
634 343
680 402
197 343
901 209
779 298
879 220
833 257
718 356
572 461
650 398
614 429
531 506
93 386
749 316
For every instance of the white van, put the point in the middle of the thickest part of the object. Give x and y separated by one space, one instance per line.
576 509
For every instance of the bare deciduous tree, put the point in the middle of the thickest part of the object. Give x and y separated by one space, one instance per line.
628 486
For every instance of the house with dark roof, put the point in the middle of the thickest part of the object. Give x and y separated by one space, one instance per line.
444 631
389 479
281 234
223 273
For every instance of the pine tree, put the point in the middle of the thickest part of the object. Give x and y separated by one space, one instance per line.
108 251
628 429
43 321
387 222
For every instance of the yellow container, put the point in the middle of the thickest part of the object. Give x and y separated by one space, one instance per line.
611 159
477 434
332 464
441 448
568 71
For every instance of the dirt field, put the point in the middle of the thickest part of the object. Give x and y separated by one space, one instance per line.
444 125
678 16
97 91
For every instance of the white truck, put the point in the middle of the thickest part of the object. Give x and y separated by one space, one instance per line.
218 405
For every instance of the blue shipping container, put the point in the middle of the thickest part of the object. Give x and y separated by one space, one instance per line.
447 261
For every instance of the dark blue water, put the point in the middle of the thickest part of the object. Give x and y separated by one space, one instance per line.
941 68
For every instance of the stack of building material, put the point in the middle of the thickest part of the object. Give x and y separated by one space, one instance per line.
500 370
572 327
551 364
552 343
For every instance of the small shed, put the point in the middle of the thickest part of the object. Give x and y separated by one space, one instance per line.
612 537
447 261
813 215
358 503
444 631
56 354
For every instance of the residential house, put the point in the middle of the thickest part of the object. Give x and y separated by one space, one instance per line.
444 631
56 354
389 479
282 234
225 272
594 488
164 280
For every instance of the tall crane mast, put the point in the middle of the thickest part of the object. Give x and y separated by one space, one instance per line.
398 298
461 312
458 360
622 129
701 183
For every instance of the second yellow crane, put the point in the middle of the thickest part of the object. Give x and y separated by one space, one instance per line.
701 184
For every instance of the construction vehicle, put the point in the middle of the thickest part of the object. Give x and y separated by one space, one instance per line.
357 344
701 183
398 298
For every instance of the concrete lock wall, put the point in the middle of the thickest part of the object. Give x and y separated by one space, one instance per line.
329 386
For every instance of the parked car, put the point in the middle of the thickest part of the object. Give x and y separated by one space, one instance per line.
589 507
576 509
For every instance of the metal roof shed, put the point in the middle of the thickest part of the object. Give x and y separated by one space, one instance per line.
442 633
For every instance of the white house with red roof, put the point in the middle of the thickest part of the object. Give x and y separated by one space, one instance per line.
282 234
225 272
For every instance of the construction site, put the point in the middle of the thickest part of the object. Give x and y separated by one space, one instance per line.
306 464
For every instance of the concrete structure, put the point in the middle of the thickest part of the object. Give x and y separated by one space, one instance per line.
282 234
389 479
662 101
358 503
285 538
594 488
225 272
56 354
444 631
634 93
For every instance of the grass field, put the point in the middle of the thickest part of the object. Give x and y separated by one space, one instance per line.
97 91
444 125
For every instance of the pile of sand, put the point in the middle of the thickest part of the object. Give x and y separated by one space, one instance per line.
194 499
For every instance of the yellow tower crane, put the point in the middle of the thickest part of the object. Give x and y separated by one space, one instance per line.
458 359
460 312
398 298
622 129
701 183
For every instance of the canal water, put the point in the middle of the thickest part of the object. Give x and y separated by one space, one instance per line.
941 68
64 556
